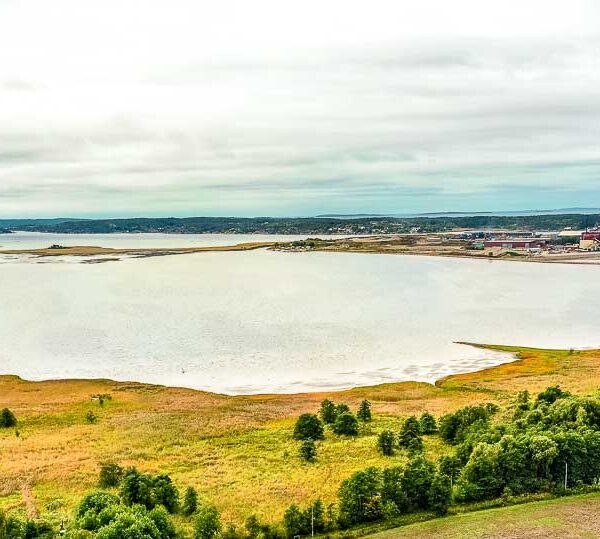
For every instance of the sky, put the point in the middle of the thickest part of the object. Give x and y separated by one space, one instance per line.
270 107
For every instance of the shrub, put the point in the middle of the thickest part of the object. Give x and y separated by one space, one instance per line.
307 427
110 475
364 411
328 411
308 451
7 419
552 394
131 524
427 424
207 523
385 442
96 502
190 501
90 417
346 424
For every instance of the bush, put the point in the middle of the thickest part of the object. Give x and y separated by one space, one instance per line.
308 451
427 424
90 417
190 501
328 412
308 427
207 523
7 419
364 411
346 424
385 442
131 524
110 475
552 394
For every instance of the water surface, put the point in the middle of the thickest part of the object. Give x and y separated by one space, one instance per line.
263 321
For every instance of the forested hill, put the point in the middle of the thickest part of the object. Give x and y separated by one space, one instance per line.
329 225
312 225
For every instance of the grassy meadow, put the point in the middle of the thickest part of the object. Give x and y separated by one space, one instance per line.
237 451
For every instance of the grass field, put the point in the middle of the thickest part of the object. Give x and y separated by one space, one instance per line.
237 451
576 516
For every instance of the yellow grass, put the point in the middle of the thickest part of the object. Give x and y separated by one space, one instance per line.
237 451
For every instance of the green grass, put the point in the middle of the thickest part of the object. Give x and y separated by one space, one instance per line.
575 516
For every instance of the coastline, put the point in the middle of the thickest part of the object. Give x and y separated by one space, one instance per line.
389 245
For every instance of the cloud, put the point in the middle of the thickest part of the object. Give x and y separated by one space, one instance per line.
162 108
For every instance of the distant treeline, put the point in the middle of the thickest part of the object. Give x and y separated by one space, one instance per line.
310 225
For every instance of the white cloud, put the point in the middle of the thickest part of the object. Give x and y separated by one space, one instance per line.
265 107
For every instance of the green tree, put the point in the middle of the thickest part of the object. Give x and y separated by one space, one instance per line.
7 419
90 417
328 412
346 424
410 435
385 442
136 488
481 478
427 423
364 411
308 451
449 466
207 523
294 521
110 475
416 481
165 493
342 409
439 495
314 516
391 490
162 521
190 501
360 497
307 427
133 523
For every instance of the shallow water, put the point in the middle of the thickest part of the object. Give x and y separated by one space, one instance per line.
263 321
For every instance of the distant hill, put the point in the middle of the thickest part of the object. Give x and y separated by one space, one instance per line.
305 226
12 223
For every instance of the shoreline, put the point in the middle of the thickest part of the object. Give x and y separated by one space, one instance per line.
513 350
388 245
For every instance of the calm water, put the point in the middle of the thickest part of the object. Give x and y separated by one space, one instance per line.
242 322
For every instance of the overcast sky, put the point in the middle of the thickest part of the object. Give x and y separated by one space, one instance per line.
173 107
